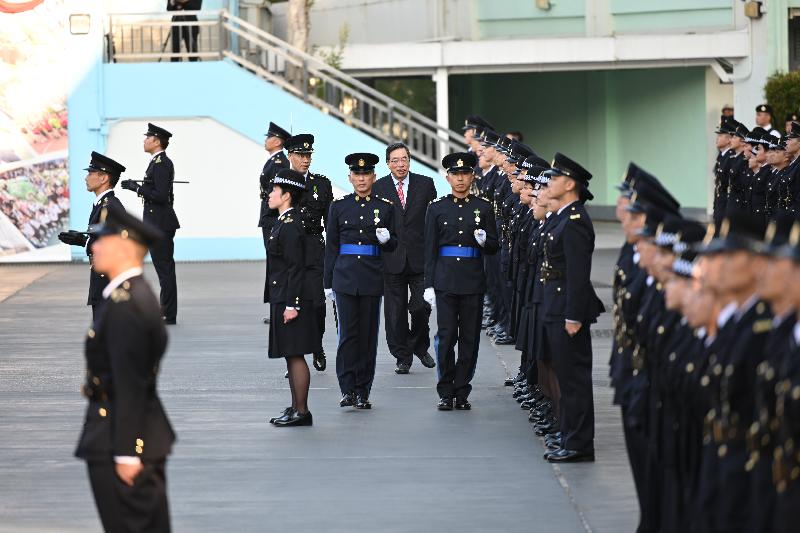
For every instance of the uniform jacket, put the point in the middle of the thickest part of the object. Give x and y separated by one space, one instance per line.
409 222
314 210
123 351
158 195
98 282
353 220
275 163
452 222
285 261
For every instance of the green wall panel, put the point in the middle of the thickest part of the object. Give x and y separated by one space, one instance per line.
521 18
603 120
639 16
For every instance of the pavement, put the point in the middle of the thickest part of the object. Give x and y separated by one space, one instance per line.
401 467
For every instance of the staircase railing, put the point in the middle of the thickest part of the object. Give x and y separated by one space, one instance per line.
222 35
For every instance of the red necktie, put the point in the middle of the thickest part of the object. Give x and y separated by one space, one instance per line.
400 194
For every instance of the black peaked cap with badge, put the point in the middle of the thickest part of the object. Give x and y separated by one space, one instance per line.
794 131
490 137
519 151
276 131
726 125
648 190
777 235
362 162
738 230
764 108
102 163
300 144
459 162
290 178
476 122
156 131
114 220
564 166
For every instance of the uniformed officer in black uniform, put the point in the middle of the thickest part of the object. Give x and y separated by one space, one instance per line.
313 212
103 176
273 144
459 229
360 226
126 435
295 331
572 306
158 198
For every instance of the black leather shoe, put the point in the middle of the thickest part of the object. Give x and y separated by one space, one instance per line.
519 377
546 428
462 404
522 391
504 339
283 414
296 419
570 456
265 320
287 414
445 404
426 360
362 402
286 374
548 453
509 382
348 400
487 323
553 446
320 362
402 368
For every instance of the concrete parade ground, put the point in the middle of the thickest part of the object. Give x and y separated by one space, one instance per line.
401 467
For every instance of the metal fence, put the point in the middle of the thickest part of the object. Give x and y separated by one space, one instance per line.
137 38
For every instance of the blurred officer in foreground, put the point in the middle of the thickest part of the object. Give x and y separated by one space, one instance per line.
126 434
158 198
360 227
103 175
459 229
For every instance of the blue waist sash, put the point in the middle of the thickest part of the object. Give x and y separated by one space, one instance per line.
459 251
359 249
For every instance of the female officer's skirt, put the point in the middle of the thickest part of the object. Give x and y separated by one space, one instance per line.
299 337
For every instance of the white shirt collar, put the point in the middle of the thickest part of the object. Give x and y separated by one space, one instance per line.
157 154
116 282
650 280
565 206
746 306
284 212
547 215
273 154
777 320
100 196
726 313
725 151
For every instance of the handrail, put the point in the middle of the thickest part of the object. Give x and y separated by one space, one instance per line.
290 68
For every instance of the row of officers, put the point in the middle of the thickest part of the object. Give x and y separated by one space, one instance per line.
704 363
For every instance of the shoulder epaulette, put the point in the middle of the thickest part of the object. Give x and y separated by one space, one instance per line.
158 158
342 197
479 198
317 175
438 199
120 295
384 199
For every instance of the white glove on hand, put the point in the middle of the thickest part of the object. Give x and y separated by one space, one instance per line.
330 295
430 296
382 234
480 236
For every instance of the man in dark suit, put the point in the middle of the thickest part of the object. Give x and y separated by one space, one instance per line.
187 33
103 176
158 197
126 435
273 144
572 306
404 268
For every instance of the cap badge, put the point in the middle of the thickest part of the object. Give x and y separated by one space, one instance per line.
460 163
361 162
305 145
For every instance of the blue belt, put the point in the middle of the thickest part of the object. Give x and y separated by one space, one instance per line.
459 251
359 249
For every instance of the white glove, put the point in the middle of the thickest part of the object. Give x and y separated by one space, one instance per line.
382 234
480 236
430 296
330 295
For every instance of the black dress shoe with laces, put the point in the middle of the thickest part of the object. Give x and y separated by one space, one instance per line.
462 404
287 414
504 339
348 400
426 360
402 368
570 456
283 414
296 419
445 404
362 402
320 362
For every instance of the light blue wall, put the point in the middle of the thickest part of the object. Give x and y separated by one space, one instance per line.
219 90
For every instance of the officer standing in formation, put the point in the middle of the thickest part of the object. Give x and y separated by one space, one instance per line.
359 227
158 199
126 435
103 175
459 229
403 274
277 160
313 213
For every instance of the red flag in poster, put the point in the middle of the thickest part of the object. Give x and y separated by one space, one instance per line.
18 6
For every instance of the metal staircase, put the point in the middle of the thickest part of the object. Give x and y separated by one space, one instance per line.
137 37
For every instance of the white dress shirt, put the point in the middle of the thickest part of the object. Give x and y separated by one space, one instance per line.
404 183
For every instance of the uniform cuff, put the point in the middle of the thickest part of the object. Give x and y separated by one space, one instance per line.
573 321
127 460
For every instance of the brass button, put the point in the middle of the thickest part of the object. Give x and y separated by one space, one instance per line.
96 380
139 442
458 259
274 282
690 367
102 411
361 217
90 333
358 257
361 231
138 449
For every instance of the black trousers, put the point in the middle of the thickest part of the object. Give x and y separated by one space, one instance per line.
265 231
572 361
491 265
162 254
636 445
359 320
458 318
124 509
405 343
187 33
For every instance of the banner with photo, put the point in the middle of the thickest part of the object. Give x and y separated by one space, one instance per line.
34 176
